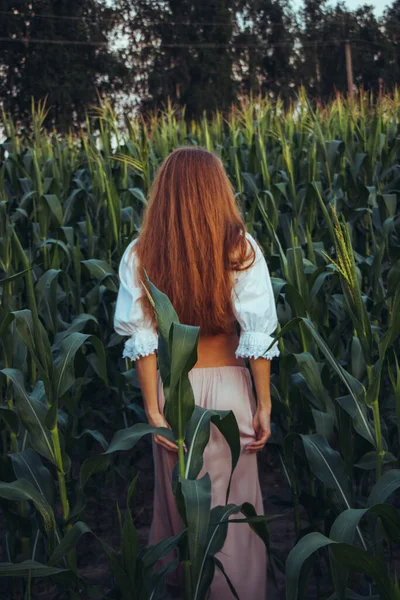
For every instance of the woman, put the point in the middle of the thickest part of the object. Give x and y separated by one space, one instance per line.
194 247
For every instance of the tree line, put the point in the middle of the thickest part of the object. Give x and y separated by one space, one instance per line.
201 55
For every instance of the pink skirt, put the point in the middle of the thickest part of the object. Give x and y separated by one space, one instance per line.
244 554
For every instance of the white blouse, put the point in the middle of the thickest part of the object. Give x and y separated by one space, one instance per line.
253 305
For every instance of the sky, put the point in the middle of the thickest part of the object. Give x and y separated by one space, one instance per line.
379 5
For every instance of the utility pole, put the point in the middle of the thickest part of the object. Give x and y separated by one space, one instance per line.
349 69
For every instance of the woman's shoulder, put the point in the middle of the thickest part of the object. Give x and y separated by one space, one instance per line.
252 240
132 243
129 254
128 264
247 273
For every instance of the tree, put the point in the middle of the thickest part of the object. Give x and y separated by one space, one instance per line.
201 54
391 22
311 37
59 49
180 49
265 46
324 35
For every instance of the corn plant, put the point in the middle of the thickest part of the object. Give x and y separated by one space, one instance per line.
318 188
205 528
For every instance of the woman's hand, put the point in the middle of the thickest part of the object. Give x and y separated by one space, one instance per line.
262 427
158 420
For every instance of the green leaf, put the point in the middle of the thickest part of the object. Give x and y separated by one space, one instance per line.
310 370
327 465
152 554
258 525
216 536
295 301
24 325
304 548
387 484
335 149
27 465
198 435
16 276
7 320
78 323
358 364
165 312
125 439
393 330
28 568
319 281
183 349
197 495
179 398
359 417
10 419
138 193
297 276
64 371
273 235
56 244
98 268
123 582
36 340
32 414
46 297
346 524
96 435
355 388
368 460
55 206
220 519
390 201
92 465
130 541
69 541
228 581
345 554
24 490
360 561
324 423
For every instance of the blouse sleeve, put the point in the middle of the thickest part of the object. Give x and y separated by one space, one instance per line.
129 318
255 309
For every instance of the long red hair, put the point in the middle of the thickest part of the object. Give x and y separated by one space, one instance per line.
192 239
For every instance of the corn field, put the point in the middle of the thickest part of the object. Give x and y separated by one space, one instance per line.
319 188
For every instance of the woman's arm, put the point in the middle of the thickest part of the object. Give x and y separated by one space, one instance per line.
130 320
261 370
146 369
255 311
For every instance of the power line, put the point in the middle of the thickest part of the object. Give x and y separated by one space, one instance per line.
54 42
55 17
105 19
26 40
52 86
155 22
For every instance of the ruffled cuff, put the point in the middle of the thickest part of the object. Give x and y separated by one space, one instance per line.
141 343
254 345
